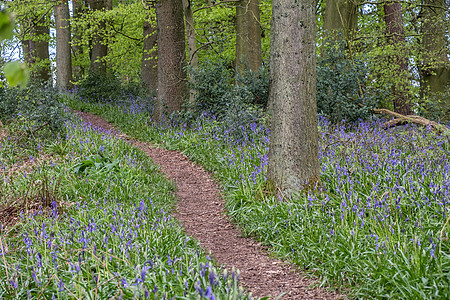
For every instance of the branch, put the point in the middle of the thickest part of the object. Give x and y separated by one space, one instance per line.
401 120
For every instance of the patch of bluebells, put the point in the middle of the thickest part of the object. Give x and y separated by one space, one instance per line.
109 247
379 222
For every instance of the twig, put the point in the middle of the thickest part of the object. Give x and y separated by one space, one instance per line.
440 234
48 282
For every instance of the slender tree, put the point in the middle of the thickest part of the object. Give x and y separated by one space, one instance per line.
63 52
149 70
293 153
341 16
396 38
99 45
79 9
436 65
248 36
172 87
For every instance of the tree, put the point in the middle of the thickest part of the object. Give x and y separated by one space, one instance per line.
248 36
172 87
63 51
436 65
99 45
396 38
149 70
341 16
77 39
293 153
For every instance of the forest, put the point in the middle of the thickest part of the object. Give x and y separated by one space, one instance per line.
224 149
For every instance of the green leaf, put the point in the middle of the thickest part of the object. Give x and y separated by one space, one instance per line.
6 26
16 73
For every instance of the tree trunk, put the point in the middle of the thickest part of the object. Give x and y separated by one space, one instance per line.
63 53
341 16
99 44
192 45
149 70
248 36
77 49
39 47
436 65
293 153
172 88
396 37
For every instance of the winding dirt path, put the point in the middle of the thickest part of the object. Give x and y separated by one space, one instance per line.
200 210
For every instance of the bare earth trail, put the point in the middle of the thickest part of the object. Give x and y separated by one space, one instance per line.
200 210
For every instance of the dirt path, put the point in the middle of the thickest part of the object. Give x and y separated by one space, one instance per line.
200 210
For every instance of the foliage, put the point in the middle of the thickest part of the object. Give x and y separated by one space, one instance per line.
35 106
379 225
433 107
342 85
99 88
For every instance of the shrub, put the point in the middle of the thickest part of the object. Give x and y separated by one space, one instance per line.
342 92
36 105
100 88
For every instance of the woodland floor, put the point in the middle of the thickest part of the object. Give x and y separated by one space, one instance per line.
200 210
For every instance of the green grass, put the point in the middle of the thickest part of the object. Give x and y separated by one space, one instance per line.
378 229
95 224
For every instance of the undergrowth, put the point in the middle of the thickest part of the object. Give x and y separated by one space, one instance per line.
379 227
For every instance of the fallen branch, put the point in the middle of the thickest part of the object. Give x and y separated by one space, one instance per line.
402 119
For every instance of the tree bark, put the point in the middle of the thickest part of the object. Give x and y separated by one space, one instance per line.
172 87
63 53
396 37
149 67
39 46
99 45
293 153
192 45
436 65
77 49
341 16
248 36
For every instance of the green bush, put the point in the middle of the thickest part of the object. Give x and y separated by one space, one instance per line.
342 92
35 105
433 107
100 88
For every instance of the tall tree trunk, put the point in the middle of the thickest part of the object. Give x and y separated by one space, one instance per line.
293 153
396 37
341 16
63 53
99 45
172 87
77 49
192 45
39 46
248 36
436 65
149 70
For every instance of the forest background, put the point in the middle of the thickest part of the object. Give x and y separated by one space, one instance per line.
385 54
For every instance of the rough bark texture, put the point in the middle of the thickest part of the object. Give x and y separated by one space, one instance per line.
99 45
248 36
293 152
149 70
396 37
436 65
341 16
172 87
63 53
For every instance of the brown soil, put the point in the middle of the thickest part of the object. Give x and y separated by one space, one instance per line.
200 210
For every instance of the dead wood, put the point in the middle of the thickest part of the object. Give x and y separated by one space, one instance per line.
402 120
